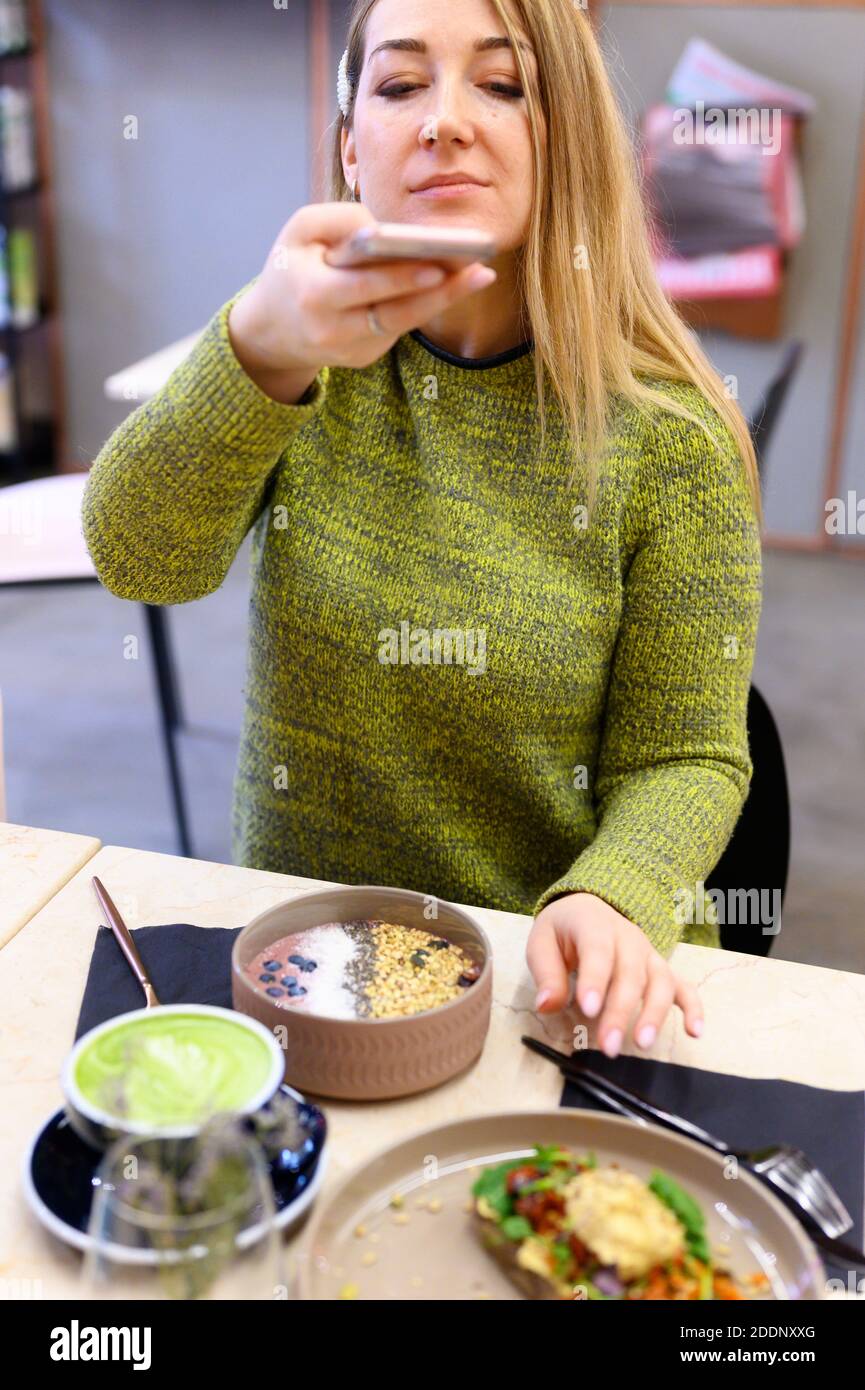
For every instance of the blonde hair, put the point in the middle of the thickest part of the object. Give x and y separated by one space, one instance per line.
597 330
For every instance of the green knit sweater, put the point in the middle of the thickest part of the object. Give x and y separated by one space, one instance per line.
453 685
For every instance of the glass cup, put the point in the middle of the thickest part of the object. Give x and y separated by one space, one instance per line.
188 1218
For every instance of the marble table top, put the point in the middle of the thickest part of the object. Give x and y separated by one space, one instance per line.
764 1017
34 864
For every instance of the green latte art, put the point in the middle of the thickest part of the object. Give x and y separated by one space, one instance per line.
173 1070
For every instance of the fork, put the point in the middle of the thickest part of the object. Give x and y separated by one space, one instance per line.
787 1168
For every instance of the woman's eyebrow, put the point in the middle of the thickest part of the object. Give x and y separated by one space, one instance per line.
499 42
419 46
401 45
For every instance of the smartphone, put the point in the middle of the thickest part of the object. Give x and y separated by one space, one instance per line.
395 241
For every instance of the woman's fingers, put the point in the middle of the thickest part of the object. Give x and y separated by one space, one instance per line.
625 992
665 989
595 967
656 1004
688 1000
620 976
398 316
374 284
658 989
328 223
548 966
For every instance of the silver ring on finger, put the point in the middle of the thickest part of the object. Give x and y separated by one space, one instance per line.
374 325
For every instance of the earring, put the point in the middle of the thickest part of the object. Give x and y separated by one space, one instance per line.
354 197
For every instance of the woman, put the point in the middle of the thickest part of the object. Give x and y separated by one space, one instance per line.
506 558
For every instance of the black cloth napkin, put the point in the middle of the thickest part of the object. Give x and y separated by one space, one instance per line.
747 1113
186 964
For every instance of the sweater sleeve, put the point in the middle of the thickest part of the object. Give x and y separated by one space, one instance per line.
674 765
178 484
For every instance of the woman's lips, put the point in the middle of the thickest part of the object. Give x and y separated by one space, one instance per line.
447 190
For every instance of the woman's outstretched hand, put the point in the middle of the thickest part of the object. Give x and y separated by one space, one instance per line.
618 971
303 314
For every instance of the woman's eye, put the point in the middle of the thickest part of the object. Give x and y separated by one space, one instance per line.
502 89
399 89
505 89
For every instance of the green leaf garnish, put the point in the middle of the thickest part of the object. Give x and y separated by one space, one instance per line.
492 1185
549 1154
683 1206
517 1228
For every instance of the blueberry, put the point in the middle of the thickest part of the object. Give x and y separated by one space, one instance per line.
296 960
271 965
267 979
288 981
309 965
274 991
441 945
301 989
417 959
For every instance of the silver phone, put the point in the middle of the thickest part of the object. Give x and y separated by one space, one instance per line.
395 241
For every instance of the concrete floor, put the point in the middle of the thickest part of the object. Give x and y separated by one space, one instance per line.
83 751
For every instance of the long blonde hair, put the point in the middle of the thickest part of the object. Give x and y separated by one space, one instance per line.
597 329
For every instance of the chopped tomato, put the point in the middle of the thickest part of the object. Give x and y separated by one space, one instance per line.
542 1209
519 1177
579 1251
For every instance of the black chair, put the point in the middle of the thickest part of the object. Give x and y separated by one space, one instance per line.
757 857
768 408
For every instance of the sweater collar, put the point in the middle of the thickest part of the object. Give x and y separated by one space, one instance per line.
512 364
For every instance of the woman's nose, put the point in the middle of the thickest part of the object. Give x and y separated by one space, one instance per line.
448 117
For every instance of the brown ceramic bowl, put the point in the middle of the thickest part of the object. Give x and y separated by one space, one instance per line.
375 1058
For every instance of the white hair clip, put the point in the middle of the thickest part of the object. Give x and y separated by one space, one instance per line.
343 86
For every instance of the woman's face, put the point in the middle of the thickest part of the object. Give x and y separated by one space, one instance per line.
471 100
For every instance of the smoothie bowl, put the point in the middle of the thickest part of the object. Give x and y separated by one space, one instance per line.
369 995
167 1070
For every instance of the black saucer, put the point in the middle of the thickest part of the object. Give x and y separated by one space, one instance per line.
60 1168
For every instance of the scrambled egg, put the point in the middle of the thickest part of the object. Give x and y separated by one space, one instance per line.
622 1221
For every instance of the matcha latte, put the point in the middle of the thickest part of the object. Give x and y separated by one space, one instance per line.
171 1068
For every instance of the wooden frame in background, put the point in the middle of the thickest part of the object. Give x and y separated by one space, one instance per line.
323 65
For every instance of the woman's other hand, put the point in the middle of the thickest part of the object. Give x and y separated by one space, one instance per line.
618 971
303 314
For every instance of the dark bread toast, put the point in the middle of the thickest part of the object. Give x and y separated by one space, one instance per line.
504 1252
